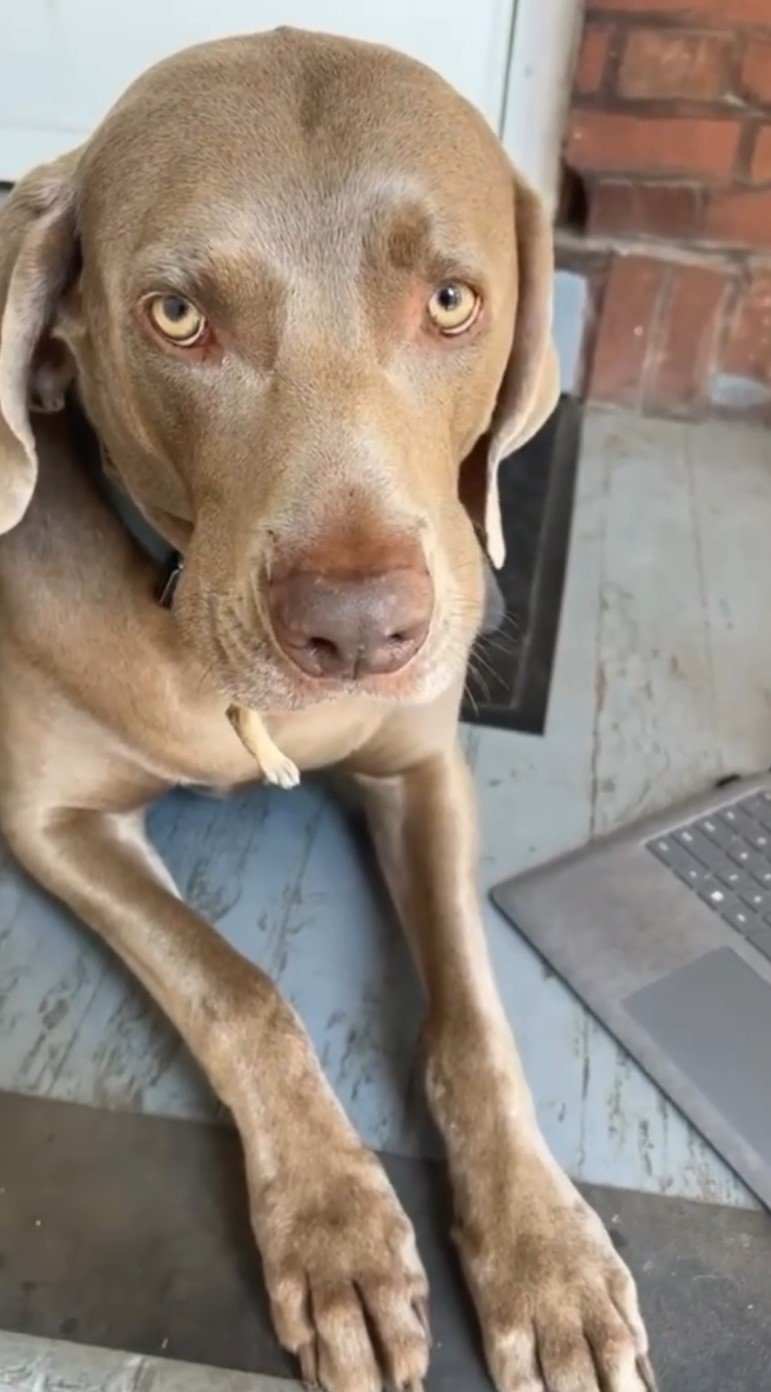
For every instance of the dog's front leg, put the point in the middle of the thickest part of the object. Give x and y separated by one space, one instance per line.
346 1286
557 1307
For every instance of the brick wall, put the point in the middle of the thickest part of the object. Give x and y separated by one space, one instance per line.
667 205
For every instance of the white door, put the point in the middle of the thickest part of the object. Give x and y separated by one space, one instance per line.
63 64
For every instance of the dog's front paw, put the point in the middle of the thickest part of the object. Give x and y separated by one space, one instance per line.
347 1289
557 1306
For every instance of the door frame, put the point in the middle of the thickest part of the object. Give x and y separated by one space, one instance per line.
542 53
544 36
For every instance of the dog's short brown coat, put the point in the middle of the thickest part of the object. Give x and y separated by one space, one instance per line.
307 194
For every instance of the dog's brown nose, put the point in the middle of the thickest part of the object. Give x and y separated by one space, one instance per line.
351 626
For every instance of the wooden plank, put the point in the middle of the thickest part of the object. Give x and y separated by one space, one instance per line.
731 489
49 973
655 737
31 1364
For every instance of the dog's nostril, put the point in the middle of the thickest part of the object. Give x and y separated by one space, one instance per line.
324 647
318 656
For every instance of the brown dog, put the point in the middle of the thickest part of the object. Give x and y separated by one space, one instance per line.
304 302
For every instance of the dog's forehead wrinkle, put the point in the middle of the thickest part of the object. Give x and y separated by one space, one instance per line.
280 242
382 125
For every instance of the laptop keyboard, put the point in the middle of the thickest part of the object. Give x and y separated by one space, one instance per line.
725 858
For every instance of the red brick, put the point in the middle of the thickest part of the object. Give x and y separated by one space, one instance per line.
592 59
677 377
756 69
619 208
612 142
760 168
720 12
628 312
746 351
741 217
661 63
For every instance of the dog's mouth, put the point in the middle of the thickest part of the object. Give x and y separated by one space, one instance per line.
265 679
250 669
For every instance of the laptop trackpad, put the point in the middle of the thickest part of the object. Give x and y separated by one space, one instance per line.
713 1020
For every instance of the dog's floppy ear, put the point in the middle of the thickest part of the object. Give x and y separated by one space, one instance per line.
37 250
529 388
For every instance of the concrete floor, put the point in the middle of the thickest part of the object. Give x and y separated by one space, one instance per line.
662 684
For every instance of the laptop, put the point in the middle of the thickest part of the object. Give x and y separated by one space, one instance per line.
664 931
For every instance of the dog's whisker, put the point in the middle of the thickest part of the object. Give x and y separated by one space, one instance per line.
479 678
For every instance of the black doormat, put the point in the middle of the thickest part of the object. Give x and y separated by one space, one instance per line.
510 670
132 1232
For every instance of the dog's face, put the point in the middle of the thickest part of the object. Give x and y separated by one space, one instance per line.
307 305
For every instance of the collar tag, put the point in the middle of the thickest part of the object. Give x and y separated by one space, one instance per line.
170 581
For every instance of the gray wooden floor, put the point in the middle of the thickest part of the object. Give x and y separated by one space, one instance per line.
663 682
29 1364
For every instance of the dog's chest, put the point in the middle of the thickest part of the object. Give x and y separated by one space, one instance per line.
210 755
324 735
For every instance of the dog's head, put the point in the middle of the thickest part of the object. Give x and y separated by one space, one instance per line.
307 305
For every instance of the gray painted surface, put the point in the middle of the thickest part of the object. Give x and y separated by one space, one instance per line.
30 1364
738 393
662 683
571 298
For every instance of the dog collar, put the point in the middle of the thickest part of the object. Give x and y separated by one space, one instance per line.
169 561
168 587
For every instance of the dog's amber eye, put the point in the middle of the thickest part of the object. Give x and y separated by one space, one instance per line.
453 307
178 320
